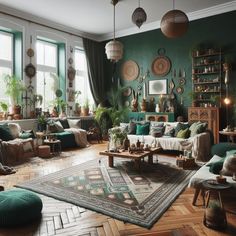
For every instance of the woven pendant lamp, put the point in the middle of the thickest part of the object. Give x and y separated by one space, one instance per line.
114 48
174 23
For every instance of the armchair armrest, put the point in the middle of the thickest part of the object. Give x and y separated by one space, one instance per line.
199 145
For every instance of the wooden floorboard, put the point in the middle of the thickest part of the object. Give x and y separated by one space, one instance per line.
65 219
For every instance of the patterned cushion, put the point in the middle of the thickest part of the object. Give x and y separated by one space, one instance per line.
180 126
19 207
156 128
59 126
169 130
197 128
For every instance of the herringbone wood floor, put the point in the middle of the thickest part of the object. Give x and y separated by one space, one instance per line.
61 218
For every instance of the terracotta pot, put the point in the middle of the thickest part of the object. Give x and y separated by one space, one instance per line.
84 111
16 109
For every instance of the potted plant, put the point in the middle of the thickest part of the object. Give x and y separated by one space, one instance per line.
42 123
85 107
14 89
60 106
77 103
4 108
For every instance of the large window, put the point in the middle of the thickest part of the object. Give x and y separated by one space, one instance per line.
81 79
47 70
6 61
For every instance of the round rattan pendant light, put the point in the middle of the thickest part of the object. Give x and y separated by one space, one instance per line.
139 16
114 48
174 23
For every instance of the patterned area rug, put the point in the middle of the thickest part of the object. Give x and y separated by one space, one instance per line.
138 197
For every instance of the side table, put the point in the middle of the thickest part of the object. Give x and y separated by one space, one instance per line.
214 216
55 146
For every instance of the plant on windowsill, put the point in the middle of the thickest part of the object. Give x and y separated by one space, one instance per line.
85 107
4 108
60 105
14 89
77 104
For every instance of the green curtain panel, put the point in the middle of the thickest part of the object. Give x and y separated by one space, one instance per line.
94 53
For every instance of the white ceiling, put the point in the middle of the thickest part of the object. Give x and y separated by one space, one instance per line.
95 17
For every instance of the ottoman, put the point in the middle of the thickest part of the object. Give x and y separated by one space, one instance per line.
18 207
44 151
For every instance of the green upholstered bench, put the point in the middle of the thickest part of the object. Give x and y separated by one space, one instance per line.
18 207
220 149
67 139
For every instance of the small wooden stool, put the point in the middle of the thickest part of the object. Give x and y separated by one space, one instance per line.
44 151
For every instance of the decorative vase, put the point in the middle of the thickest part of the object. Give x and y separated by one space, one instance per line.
126 143
157 109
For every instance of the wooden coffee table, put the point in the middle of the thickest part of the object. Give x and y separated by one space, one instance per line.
135 156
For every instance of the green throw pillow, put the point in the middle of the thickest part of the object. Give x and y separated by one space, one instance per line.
179 127
142 129
197 128
183 133
215 167
5 133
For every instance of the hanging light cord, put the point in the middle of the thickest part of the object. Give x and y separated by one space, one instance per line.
139 3
173 4
114 20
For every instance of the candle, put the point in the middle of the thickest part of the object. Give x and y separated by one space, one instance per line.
144 91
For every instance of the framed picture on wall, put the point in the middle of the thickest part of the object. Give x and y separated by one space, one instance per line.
156 87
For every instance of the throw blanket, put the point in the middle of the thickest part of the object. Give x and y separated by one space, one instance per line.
80 136
200 145
16 150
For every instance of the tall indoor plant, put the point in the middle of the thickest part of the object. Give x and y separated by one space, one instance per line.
14 89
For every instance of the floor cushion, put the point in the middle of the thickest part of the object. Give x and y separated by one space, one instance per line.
18 207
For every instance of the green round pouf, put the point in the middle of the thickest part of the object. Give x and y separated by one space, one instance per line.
18 207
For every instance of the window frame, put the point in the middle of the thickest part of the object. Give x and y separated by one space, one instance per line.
47 69
7 63
83 73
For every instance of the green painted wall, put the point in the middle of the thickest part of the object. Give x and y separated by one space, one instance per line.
216 31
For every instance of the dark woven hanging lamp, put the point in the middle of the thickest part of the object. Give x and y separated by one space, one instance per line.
174 23
139 16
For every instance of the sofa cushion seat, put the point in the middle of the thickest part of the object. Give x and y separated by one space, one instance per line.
19 207
170 143
67 139
204 174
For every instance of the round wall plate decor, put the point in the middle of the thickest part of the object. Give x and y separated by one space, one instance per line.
130 70
161 66
30 52
30 70
127 91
